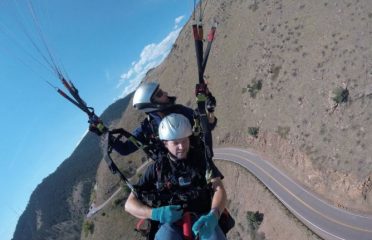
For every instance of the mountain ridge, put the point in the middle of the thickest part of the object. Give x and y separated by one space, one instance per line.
48 213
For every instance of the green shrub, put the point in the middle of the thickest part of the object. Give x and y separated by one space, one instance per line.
254 88
340 95
88 228
254 220
117 201
253 131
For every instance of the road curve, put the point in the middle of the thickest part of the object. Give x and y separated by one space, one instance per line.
94 209
321 217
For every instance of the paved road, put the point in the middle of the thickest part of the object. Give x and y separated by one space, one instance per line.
324 219
94 209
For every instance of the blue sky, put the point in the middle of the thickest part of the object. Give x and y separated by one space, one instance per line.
105 47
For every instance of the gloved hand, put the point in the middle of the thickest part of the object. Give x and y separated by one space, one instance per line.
205 225
167 214
97 129
96 125
210 103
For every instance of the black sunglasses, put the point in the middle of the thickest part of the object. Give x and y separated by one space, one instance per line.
159 93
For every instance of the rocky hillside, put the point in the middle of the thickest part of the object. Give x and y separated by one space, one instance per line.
293 83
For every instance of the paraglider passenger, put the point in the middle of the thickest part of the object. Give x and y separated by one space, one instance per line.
182 171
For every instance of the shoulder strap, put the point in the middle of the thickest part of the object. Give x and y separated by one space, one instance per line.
154 129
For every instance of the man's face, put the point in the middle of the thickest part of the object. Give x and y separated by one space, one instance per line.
178 148
160 96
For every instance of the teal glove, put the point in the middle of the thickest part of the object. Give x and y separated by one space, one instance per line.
205 225
167 214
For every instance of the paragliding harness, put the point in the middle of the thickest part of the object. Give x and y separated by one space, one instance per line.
179 184
175 184
162 196
226 222
156 198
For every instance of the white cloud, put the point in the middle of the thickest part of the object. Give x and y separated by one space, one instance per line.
151 56
177 21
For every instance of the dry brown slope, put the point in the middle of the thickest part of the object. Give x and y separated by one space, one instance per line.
301 51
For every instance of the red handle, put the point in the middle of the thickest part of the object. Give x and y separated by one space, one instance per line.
186 226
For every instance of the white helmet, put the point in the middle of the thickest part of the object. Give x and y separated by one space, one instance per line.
143 95
142 99
174 126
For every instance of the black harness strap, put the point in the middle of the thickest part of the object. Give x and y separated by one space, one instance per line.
201 89
97 126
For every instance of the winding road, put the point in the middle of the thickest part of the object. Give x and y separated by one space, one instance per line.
94 209
321 217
